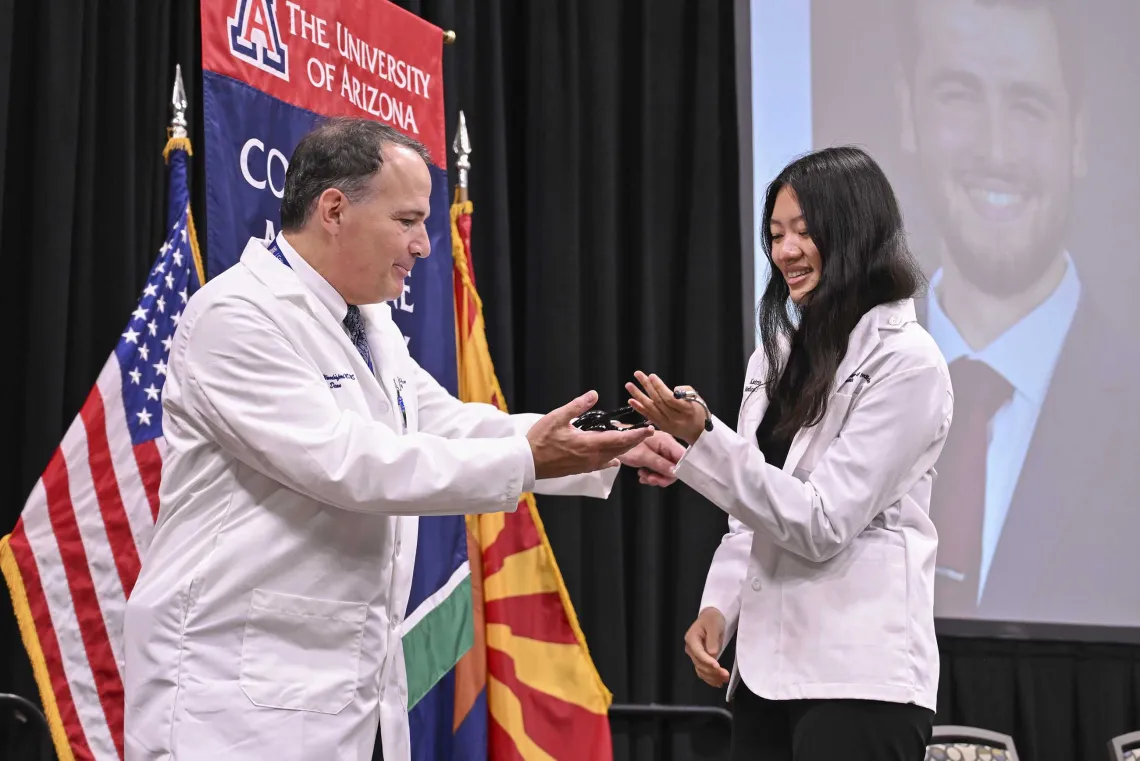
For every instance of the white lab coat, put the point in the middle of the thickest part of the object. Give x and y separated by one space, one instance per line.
827 572
266 622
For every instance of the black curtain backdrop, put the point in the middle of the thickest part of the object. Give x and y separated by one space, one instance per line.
606 239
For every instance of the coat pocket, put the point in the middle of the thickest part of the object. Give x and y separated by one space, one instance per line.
301 653
846 620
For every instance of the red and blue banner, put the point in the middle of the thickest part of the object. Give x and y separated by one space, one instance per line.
271 70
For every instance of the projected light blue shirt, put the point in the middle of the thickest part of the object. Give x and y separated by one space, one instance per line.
1024 355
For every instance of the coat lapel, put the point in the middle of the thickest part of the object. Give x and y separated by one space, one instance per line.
756 395
364 376
754 403
863 341
285 284
382 333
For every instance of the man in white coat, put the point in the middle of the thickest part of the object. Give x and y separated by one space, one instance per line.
303 442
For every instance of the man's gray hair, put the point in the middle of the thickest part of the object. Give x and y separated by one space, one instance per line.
342 153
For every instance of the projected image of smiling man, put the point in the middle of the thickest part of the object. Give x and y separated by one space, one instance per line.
991 104
992 107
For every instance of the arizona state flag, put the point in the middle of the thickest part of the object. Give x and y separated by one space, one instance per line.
545 699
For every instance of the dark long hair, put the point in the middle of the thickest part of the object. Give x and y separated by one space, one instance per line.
854 220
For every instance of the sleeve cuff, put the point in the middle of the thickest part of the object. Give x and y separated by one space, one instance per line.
528 467
702 454
727 601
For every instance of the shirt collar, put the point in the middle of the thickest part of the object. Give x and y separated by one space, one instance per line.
313 280
1026 353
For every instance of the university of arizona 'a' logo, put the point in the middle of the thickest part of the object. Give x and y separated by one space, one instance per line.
255 37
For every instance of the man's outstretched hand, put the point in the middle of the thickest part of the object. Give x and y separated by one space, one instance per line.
560 449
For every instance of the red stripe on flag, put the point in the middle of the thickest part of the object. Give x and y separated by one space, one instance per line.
537 616
88 612
150 469
518 534
119 535
463 226
49 645
500 745
562 729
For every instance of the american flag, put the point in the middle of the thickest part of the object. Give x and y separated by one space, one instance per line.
74 555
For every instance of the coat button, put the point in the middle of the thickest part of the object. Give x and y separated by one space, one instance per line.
756 585
395 620
894 319
397 548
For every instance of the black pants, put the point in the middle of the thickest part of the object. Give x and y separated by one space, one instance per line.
823 730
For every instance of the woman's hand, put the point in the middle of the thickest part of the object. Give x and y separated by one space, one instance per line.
656 403
654 459
703 644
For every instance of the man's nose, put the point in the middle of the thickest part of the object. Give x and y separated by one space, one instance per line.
421 246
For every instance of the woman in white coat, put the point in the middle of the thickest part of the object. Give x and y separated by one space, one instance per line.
826 575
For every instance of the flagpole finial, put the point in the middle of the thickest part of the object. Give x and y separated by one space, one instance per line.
178 103
462 147
449 37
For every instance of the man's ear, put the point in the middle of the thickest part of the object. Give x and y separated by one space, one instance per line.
330 209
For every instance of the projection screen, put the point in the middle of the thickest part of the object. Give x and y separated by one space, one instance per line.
1009 130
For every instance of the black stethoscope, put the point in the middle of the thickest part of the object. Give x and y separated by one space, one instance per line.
628 418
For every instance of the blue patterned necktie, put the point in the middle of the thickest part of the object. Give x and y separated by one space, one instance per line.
354 321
